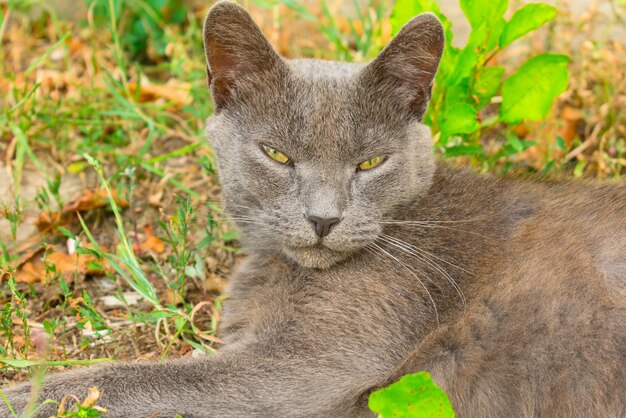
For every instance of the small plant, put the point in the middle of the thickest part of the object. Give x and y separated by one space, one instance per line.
129 267
413 396
142 24
467 83
361 40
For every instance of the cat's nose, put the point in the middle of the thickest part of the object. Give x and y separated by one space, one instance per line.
322 225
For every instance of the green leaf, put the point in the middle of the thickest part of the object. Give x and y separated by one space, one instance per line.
487 11
19 364
528 94
231 235
458 119
458 112
514 145
459 150
487 83
405 10
468 57
490 14
413 396
526 19
579 170
66 232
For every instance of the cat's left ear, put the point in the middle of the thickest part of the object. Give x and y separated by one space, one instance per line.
236 50
406 68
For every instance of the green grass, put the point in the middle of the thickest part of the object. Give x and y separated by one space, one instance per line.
98 123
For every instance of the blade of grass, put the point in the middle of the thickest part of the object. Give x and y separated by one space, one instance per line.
8 404
117 46
176 153
45 55
24 99
21 364
139 281
172 181
22 141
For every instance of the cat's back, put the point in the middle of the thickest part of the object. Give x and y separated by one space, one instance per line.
547 329
577 233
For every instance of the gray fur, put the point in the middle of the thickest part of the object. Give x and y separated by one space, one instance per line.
510 293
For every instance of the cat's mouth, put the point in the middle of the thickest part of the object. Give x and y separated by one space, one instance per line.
317 256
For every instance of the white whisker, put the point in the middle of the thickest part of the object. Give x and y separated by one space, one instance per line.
411 251
403 264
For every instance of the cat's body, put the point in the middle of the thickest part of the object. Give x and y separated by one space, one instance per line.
512 294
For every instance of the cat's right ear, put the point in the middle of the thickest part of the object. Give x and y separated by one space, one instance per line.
406 68
235 49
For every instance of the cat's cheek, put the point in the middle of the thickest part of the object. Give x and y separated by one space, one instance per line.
267 179
378 189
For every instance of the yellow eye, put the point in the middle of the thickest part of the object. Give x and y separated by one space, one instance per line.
275 155
371 163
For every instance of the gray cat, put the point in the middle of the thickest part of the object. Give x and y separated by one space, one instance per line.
368 260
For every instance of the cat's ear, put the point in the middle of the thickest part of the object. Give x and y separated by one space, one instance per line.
406 68
235 49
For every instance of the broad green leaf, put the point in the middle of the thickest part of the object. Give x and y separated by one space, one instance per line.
469 56
488 11
579 170
458 112
526 19
413 396
459 150
458 119
448 61
487 83
528 94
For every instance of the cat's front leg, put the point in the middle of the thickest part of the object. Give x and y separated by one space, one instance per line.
127 390
237 383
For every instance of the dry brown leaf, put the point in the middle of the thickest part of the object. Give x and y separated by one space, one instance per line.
174 91
94 199
92 397
153 243
90 199
150 243
571 117
521 130
34 269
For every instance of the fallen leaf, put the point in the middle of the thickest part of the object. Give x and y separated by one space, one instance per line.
92 397
34 270
521 130
90 199
175 91
94 199
150 243
571 118
153 243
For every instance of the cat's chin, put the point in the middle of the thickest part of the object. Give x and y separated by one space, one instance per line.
317 257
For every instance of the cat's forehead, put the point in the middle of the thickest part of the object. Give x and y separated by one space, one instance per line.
316 108
324 71
325 108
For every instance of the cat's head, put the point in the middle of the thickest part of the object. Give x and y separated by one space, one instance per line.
314 155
